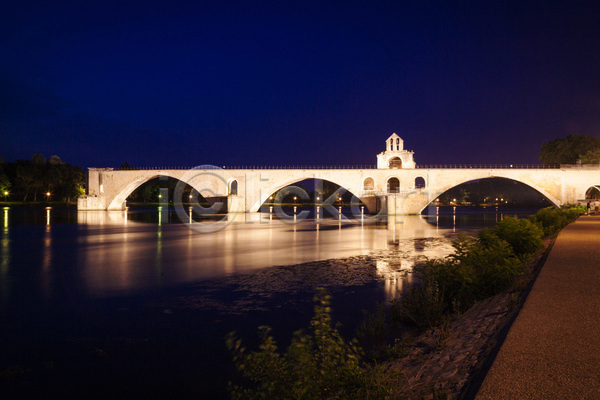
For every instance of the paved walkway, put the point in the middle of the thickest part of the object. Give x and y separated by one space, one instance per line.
552 350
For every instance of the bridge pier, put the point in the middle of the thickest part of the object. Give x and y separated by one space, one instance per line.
406 203
91 202
236 204
373 203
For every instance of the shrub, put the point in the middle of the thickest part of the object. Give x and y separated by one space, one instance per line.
494 263
553 219
373 324
317 365
524 236
480 267
422 306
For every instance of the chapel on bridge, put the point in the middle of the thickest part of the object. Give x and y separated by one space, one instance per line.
395 156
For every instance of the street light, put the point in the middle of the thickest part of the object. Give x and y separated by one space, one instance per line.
48 196
5 194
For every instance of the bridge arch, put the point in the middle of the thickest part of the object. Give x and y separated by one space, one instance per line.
232 187
393 184
593 192
419 182
118 201
436 193
270 190
395 163
368 184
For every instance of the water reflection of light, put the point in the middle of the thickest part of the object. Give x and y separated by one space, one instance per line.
143 255
5 259
158 259
229 242
47 258
392 221
100 217
396 280
6 219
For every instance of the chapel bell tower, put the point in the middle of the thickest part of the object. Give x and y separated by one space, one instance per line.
395 157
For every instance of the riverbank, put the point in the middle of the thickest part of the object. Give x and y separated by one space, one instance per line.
453 359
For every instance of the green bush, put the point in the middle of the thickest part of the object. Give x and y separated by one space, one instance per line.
317 365
373 324
422 306
524 236
480 267
494 263
553 219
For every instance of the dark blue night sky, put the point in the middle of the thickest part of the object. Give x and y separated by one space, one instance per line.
291 83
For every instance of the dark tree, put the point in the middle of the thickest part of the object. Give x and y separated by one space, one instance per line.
31 178
568 150
591 157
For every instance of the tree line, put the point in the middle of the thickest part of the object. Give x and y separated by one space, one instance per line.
39 179
573 149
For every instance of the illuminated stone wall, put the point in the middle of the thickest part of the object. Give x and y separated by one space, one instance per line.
108 189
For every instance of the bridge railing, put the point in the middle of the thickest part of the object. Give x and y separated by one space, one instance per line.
488 166
372 166
419 166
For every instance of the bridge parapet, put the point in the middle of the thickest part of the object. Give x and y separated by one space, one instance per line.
489 166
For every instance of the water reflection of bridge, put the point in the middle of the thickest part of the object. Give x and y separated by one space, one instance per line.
407 239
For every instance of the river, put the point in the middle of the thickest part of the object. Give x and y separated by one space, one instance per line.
136 303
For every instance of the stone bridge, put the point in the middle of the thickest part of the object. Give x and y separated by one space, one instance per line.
402 191
397 186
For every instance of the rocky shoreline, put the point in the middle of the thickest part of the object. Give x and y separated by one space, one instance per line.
452 360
